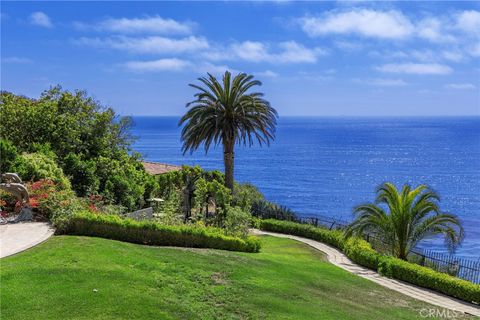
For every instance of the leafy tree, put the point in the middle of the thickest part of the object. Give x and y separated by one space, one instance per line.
246 195
86 139
82 174
237 222
70 122
8 155
212 194
402 219
123 181
227 113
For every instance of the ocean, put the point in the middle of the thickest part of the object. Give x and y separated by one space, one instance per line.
326 166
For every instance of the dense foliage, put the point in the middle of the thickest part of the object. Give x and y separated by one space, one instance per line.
268 210
37 166
74 132
151 233
74 155
401 219
201 196
362 253
227 112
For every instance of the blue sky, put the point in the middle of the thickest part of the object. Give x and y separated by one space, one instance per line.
314 58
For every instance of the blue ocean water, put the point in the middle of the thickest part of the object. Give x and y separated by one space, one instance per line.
326 166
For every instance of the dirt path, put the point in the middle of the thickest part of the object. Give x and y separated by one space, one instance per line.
339 259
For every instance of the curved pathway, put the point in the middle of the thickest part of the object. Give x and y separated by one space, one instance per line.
17 237
339 259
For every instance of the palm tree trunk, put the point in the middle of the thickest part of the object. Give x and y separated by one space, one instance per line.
228 160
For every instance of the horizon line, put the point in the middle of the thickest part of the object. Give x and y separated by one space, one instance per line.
327 116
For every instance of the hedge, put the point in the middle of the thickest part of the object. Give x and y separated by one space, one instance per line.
429 278
361 252
331 237
152 233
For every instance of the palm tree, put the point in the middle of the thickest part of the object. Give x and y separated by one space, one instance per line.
227 113
403 219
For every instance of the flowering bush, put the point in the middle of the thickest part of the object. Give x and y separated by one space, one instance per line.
8 202
47 198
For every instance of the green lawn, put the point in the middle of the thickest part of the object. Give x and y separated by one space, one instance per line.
287 280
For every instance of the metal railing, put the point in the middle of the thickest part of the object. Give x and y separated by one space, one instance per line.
462 268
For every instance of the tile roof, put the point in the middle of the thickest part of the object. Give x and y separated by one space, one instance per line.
159 168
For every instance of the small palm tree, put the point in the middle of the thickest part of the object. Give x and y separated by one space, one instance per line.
227 113
403 219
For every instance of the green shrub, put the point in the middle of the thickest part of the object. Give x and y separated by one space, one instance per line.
152 233
167 212
8 155
124 181
428 278
361 252
268 210
89 142
245 195
82 174
53 202
237 222
36 166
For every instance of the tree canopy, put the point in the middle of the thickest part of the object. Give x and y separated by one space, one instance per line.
89 142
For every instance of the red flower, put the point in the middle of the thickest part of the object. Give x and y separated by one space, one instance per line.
92 208
33 202
41 184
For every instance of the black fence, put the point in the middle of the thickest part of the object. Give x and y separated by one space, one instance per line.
459 267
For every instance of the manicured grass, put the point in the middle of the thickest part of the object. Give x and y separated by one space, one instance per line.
287 280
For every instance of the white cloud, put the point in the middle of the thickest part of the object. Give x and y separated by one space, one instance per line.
292 52
155 24
348 45
469 21
254 51
19 60
386 82
422 55
369 23
157 65
451 27
149 45
250 51
41 19
453 55
416 68
267 74
432 29
474 50
175 65
461 86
